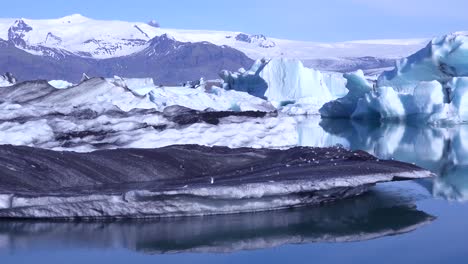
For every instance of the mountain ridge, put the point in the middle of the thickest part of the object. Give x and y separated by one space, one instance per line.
167 61
103 39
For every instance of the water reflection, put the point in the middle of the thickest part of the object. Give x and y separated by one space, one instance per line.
376 214
443 150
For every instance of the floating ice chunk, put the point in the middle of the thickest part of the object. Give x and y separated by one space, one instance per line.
60 84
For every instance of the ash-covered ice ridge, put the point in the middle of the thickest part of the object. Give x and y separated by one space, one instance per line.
110 113
184 180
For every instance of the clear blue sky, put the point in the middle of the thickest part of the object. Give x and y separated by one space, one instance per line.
315 20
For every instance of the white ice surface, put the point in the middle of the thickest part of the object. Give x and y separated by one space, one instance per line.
200 99
60 84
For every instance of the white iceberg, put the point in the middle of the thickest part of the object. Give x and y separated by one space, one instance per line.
286 82
60 84
199 98
202 98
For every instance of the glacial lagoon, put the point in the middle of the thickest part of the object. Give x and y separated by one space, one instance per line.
393 223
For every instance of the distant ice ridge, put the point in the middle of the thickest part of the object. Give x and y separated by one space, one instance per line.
291 87
214 98
199 98
132 93
430 85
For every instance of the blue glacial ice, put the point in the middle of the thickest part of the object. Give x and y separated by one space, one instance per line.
291 87
429 86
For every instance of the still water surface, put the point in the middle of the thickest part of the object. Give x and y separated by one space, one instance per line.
407 222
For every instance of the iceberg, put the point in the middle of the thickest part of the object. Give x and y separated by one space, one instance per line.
198 97
429 85
109 113
184 180
60 84
126 94
202 98
285 82
442 59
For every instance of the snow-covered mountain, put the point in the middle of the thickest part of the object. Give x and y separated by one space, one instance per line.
164 59
64 48
107 39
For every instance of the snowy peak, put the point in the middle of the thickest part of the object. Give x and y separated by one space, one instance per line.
161 45
17 32
79 35
259 40
74 18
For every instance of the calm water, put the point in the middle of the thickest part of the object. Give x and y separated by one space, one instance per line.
407 222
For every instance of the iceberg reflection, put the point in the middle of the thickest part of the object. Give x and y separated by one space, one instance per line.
370 216
443 150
